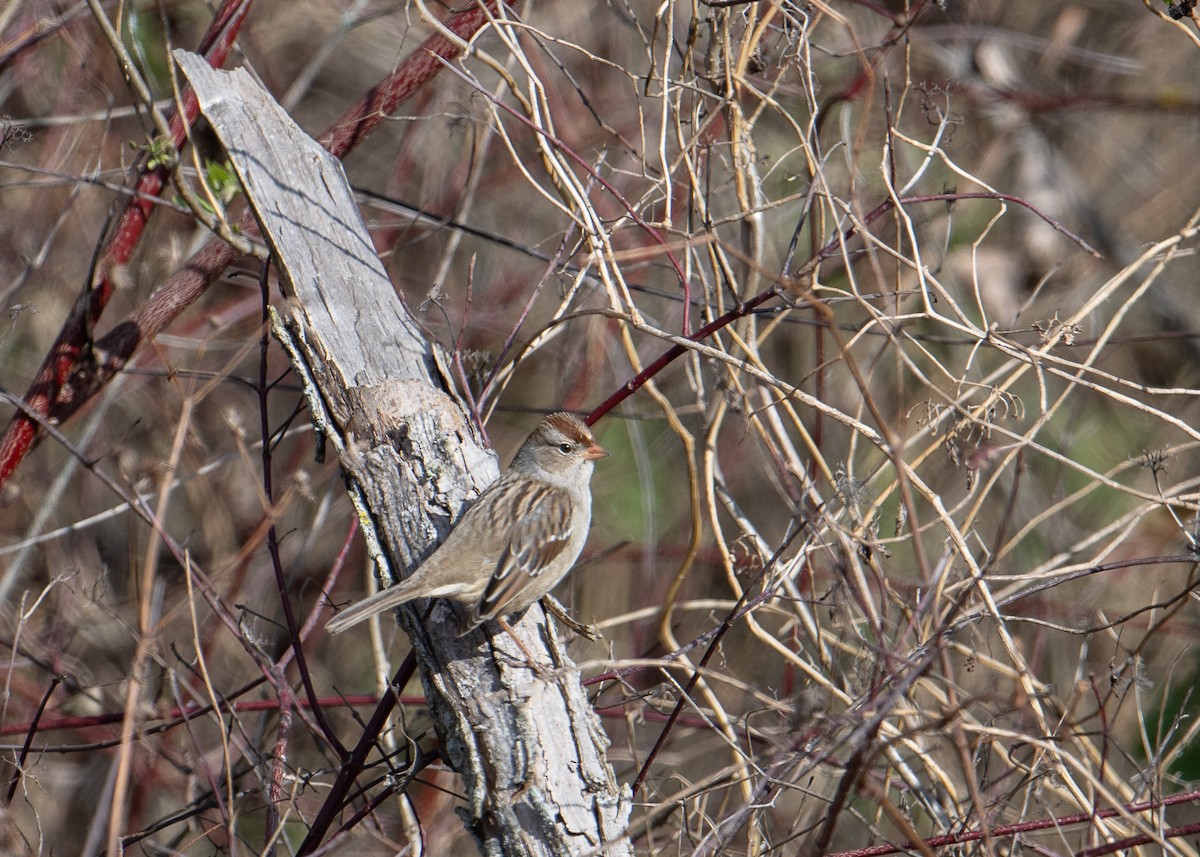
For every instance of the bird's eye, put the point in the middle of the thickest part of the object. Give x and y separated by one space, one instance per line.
564 447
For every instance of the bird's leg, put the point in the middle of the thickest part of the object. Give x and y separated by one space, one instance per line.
530 660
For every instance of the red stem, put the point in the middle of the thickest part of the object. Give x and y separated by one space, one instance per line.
69 377
74 342
1031 826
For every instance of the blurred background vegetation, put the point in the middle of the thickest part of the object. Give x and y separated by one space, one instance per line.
950 460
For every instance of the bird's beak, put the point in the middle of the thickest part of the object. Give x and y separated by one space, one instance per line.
595 451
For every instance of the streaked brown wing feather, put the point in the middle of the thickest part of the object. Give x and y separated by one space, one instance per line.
533 545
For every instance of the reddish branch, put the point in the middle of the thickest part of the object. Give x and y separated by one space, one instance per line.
74 342
175 716
75 370
354 763
1043 824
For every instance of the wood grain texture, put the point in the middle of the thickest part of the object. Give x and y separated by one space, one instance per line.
529 748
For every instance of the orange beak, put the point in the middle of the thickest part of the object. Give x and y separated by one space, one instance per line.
595 451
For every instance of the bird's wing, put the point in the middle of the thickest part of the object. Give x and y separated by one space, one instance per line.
542 532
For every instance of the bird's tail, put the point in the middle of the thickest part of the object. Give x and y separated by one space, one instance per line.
381 601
